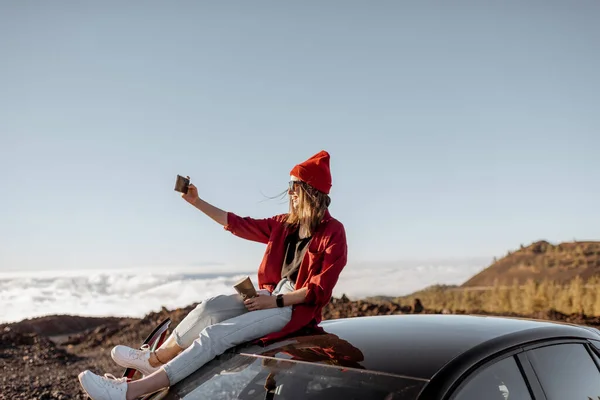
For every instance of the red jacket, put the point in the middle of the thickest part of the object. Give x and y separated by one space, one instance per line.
319 271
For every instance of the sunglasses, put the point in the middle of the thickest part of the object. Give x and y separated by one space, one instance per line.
293 184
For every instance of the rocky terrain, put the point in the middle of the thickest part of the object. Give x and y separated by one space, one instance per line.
35 365
41 358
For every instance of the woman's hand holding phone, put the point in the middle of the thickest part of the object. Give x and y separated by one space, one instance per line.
189 193
192 194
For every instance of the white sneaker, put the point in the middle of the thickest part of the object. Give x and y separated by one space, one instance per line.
133 358
105 387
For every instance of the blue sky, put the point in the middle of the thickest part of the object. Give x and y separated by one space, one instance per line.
456 130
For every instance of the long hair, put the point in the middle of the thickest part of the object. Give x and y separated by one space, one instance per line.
312 205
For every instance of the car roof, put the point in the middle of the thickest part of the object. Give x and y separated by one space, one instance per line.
415 346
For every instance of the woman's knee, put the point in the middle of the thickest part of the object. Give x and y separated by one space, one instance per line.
216 305
213 305
196 312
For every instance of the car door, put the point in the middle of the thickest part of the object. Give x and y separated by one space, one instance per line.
566 370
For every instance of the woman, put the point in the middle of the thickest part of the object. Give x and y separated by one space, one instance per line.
306 251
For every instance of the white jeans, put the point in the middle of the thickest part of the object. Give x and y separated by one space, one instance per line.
220 323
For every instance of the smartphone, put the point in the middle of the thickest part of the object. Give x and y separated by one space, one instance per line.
182 184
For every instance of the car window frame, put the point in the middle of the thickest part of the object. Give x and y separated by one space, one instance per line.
534 384
594 346
552 342
526 373
594 349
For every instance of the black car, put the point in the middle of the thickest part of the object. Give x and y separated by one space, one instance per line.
408 357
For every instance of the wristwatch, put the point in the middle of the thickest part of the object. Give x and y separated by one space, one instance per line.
279 300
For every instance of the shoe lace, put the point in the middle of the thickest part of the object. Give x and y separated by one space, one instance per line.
139 354
113 380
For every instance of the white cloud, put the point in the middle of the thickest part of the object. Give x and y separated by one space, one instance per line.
135 292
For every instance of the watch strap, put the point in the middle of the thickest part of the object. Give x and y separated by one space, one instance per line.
279 300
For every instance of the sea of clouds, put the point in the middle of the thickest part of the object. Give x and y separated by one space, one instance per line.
135 292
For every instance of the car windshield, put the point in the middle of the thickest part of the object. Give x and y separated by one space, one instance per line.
251 377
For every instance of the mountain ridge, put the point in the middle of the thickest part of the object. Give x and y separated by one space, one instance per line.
542 260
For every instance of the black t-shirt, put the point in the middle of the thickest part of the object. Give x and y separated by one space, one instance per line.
295 248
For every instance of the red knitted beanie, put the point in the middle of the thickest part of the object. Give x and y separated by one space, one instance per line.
315 171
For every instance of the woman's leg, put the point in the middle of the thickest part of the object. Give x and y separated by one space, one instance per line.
217 338
210 311
150 384
212 341
166 352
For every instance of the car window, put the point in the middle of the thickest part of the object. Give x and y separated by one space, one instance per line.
566 371
501 380
252 378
